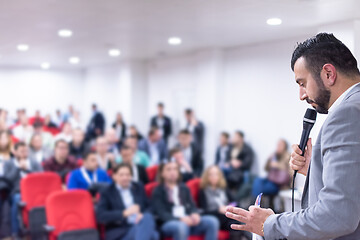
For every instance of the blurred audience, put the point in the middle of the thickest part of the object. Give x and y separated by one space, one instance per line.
120 128
96 125
190 151
175 209
140 157
66 133
23 131
37 150
61 163
124 208
162 122
78 147
134 132
154 146
88 175
223 152
47 138
196 128
106 160
186 170
5 145
113 142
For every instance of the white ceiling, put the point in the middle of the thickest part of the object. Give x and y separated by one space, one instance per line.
140 28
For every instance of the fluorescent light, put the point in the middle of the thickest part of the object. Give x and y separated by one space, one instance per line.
65 33
23 47
174 41
74 60
45 65
114 52
274 21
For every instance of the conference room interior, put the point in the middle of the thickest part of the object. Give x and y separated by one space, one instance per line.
205 86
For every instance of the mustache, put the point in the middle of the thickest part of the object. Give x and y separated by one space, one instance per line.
309 101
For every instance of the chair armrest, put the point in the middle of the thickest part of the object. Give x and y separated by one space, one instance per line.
21 204
49 228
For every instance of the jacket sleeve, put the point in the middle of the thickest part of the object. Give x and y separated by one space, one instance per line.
337 211
159 205
248 158
105 214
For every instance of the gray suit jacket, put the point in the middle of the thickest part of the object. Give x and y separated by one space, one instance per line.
331 198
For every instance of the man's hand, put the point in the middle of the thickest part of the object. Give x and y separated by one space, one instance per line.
236 163
298 162
187 220
139 217
23 165
134 209
254 219
196 219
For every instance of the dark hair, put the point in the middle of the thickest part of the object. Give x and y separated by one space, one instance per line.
160 104
19 144
153 130
225 134
37 124
161 169
185 131
322 49
240 133
173 151
122 165
125 147
188 111
61 141
88 153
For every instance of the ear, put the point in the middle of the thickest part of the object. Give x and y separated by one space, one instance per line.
329 74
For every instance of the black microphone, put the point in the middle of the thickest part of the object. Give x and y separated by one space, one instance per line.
308 123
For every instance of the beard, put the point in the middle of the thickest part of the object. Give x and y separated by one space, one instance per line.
323 98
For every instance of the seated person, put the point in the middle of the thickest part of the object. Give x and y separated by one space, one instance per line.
66 133
279 174
114 144
5 146
123 208
77 145
140 157
176 210
213 199
154 146
61 163
47 138
36 149
89 174
14 171
139 172
191 153
186 170
106 160
223 152
134 132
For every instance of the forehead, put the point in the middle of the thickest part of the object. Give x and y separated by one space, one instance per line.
300 70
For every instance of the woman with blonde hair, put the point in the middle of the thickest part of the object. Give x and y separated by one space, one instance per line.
5 146
214 198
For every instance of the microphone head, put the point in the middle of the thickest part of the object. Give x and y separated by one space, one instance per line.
310 116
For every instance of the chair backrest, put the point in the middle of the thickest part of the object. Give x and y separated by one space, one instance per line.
194 186
70 211
149 188
152 172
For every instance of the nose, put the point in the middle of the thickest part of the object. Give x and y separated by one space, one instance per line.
303 95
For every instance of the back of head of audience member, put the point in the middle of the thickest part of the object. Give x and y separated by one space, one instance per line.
21 151
101 146
154 134
238 139
5 143
61 151
78 137
36 142
184 138
169 173
90 161
160 108
122 175
224 138
213 178
127 154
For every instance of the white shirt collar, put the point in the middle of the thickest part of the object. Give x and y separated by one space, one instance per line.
341 98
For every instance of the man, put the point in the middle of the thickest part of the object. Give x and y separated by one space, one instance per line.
123 208
89 174
77 146
106 159
24 130
190 152
61 162
329 78
47 138
138 172
96 125
154 146
14 171
140 157
196 128
223 152
176 155
113 141
37 150
162 122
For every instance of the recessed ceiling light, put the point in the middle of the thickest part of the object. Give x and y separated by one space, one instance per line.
65 33
45 65
74 60
114 52
274 21
174 41
23 47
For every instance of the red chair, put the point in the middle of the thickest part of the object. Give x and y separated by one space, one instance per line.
149 188
34 189
70 215
152 172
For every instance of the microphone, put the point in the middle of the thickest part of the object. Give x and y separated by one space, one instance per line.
308 123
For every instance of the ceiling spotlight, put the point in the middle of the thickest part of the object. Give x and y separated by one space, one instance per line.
74 60
45 65
23 47
274 21
65 33
114 52
174 41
